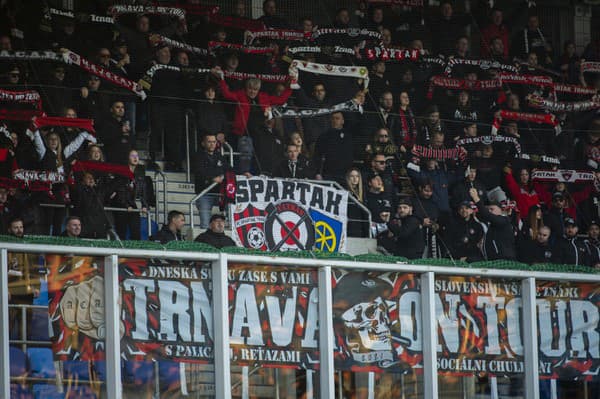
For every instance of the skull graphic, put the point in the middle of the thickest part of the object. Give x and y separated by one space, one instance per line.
370 322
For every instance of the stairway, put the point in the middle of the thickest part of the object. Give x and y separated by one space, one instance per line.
179 194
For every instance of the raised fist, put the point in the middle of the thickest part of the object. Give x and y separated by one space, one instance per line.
82 307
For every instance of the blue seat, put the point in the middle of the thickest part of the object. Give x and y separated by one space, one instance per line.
38 329
168 373
18 391
99 367
80 392
41 362
138 373
46 391
76 369
18 362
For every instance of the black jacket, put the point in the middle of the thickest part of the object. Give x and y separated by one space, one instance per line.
462 238
555 220
165 235
124 192
377 203
215 239
534 252
334 153
460 192
499 241
89 206
116 144
303 169
313 127
207 166
409 237
577 251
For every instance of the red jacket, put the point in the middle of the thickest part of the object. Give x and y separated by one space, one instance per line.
573 199
242 113
491 31
524 199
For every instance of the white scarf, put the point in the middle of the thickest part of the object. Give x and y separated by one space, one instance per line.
326 69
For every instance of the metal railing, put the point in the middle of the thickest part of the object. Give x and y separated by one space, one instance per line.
189 120
156 192
196 198
329 183
109 209
230 153
23 341
526 281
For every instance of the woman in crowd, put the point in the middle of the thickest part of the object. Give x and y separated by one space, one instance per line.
522 191
354 185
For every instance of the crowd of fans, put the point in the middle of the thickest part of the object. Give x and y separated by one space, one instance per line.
443 149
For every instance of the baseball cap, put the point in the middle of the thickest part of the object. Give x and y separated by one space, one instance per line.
558 194
570 221
405 201
467 204
216 216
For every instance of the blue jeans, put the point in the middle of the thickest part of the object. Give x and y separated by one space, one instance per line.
204 205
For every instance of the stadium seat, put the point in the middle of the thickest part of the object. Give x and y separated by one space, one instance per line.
41 362
39 325
18 391
46 391
75 369
168 373
138 373
18 362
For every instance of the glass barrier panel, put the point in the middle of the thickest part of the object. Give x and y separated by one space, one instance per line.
273 316
167 329
57 330
480 344
378 334
568 317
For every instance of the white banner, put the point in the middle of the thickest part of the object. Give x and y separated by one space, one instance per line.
274 214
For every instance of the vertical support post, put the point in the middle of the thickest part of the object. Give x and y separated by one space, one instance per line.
371 385
326 347
530 338
430 378
221 327
4 327
113 336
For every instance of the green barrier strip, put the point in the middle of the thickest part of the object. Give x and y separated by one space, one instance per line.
369 258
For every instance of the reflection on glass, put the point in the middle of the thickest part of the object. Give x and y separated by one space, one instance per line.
273 314
382 385
56 306
480 344
167 332
377 325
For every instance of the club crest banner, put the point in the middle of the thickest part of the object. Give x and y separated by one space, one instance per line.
274 214
273 316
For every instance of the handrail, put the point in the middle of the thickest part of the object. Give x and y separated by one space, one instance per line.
189 115
164 182
193 202
226 144
110 209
